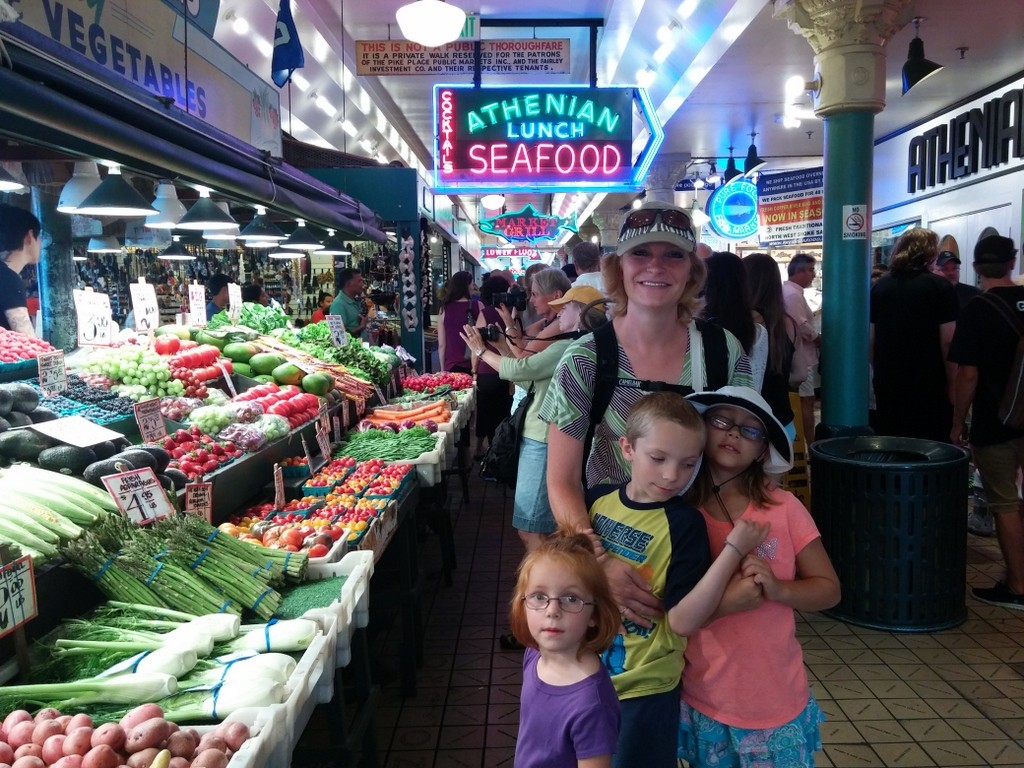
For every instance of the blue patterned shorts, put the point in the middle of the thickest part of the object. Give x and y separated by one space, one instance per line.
704 742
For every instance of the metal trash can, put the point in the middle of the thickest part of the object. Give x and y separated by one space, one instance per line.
892 512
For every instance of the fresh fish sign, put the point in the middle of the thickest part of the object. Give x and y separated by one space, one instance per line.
527 225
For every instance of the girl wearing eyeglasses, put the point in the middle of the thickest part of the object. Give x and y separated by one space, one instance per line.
746 700
563 613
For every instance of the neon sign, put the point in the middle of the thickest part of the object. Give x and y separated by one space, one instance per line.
527 225
732 209
493 139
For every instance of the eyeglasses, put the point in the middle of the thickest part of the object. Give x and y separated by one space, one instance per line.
753 434
538 601
645 217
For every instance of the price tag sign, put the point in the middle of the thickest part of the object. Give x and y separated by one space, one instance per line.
337 429
93 313
278 487
346 420
309 454
381 398
360 407
234 301
199 500
53 374
227 378
338 333
139 495
147 311
17 594
150 420
304 367
324 442
323 418
76 430
197 304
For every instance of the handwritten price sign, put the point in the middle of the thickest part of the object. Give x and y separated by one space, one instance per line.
147 311
199 500
278 487
151 422
234 301
324 442
197 305
53 374
338 334
93 312
17 595
139 495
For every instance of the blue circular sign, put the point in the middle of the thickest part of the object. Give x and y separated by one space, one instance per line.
732 209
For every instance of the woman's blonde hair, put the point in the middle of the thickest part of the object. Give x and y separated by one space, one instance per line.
574 552
690 303
915 250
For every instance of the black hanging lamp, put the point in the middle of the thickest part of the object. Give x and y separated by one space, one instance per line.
754 162
917 67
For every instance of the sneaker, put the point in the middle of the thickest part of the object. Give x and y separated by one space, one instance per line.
1000 595
980 523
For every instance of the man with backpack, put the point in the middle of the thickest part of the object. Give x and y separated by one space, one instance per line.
989 380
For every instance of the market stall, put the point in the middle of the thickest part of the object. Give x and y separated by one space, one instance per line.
259 502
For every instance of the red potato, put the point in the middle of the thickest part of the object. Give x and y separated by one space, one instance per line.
68 761
210 758
44 730
101 757
182 744
81 720
233 733
78 742
141 714
29 761
21 733
28 750
212 741
15 717
179 762
6 753
53 748
64 720
46 713
147 734
144 758
111 734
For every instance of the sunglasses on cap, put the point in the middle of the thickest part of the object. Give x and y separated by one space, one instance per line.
645 217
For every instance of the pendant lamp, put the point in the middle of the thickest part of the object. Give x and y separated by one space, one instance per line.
115 197
221 238
84 179
917 67
8 183
261 232
492 202
169 208
204 214
280 253
176 252
697 216
103 245
302 239
731 171
753 162
333 245
430 22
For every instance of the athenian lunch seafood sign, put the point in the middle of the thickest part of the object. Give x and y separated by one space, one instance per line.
540 137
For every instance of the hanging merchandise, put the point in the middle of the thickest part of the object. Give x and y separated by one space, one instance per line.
406 256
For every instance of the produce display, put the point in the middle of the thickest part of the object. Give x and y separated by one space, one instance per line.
432 382
137 373
405 416
19 407
255 316
386 444
17 347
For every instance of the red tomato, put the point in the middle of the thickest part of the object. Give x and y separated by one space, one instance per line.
318 550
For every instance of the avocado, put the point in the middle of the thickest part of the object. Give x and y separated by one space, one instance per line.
23 444
166 482
179 478
96 471
66 459
104 450
137 457
18 419
6 401
162 457
26 398
42 414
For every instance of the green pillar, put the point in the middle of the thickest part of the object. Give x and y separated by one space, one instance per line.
56 273
846 272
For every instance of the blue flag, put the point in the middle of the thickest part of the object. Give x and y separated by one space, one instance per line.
287 48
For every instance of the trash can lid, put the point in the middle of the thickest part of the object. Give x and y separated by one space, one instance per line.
887 450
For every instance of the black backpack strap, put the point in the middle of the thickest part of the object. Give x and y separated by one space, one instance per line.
716 354
606 378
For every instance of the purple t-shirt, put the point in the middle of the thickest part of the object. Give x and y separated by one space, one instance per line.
562 724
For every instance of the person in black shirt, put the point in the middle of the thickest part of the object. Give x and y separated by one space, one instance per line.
19 247
983 349
947 265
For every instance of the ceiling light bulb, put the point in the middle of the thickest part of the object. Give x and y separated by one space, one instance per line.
698 183
348 128
492 202
240 25
430 23
645 77
713 177
637 203
665 32
795 86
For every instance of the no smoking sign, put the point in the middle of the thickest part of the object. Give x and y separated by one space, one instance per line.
855 222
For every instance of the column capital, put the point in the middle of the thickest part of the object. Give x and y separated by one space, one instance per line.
608 224
848 39
663 174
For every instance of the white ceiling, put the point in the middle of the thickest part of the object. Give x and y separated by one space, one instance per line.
723 81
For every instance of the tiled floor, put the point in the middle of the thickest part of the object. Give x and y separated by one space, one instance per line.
952 698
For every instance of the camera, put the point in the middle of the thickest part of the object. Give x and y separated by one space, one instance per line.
514 300
491 333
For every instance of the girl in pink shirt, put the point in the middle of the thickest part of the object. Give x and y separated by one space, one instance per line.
746 701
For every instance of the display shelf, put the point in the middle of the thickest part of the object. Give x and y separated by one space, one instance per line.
429 464
351 610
